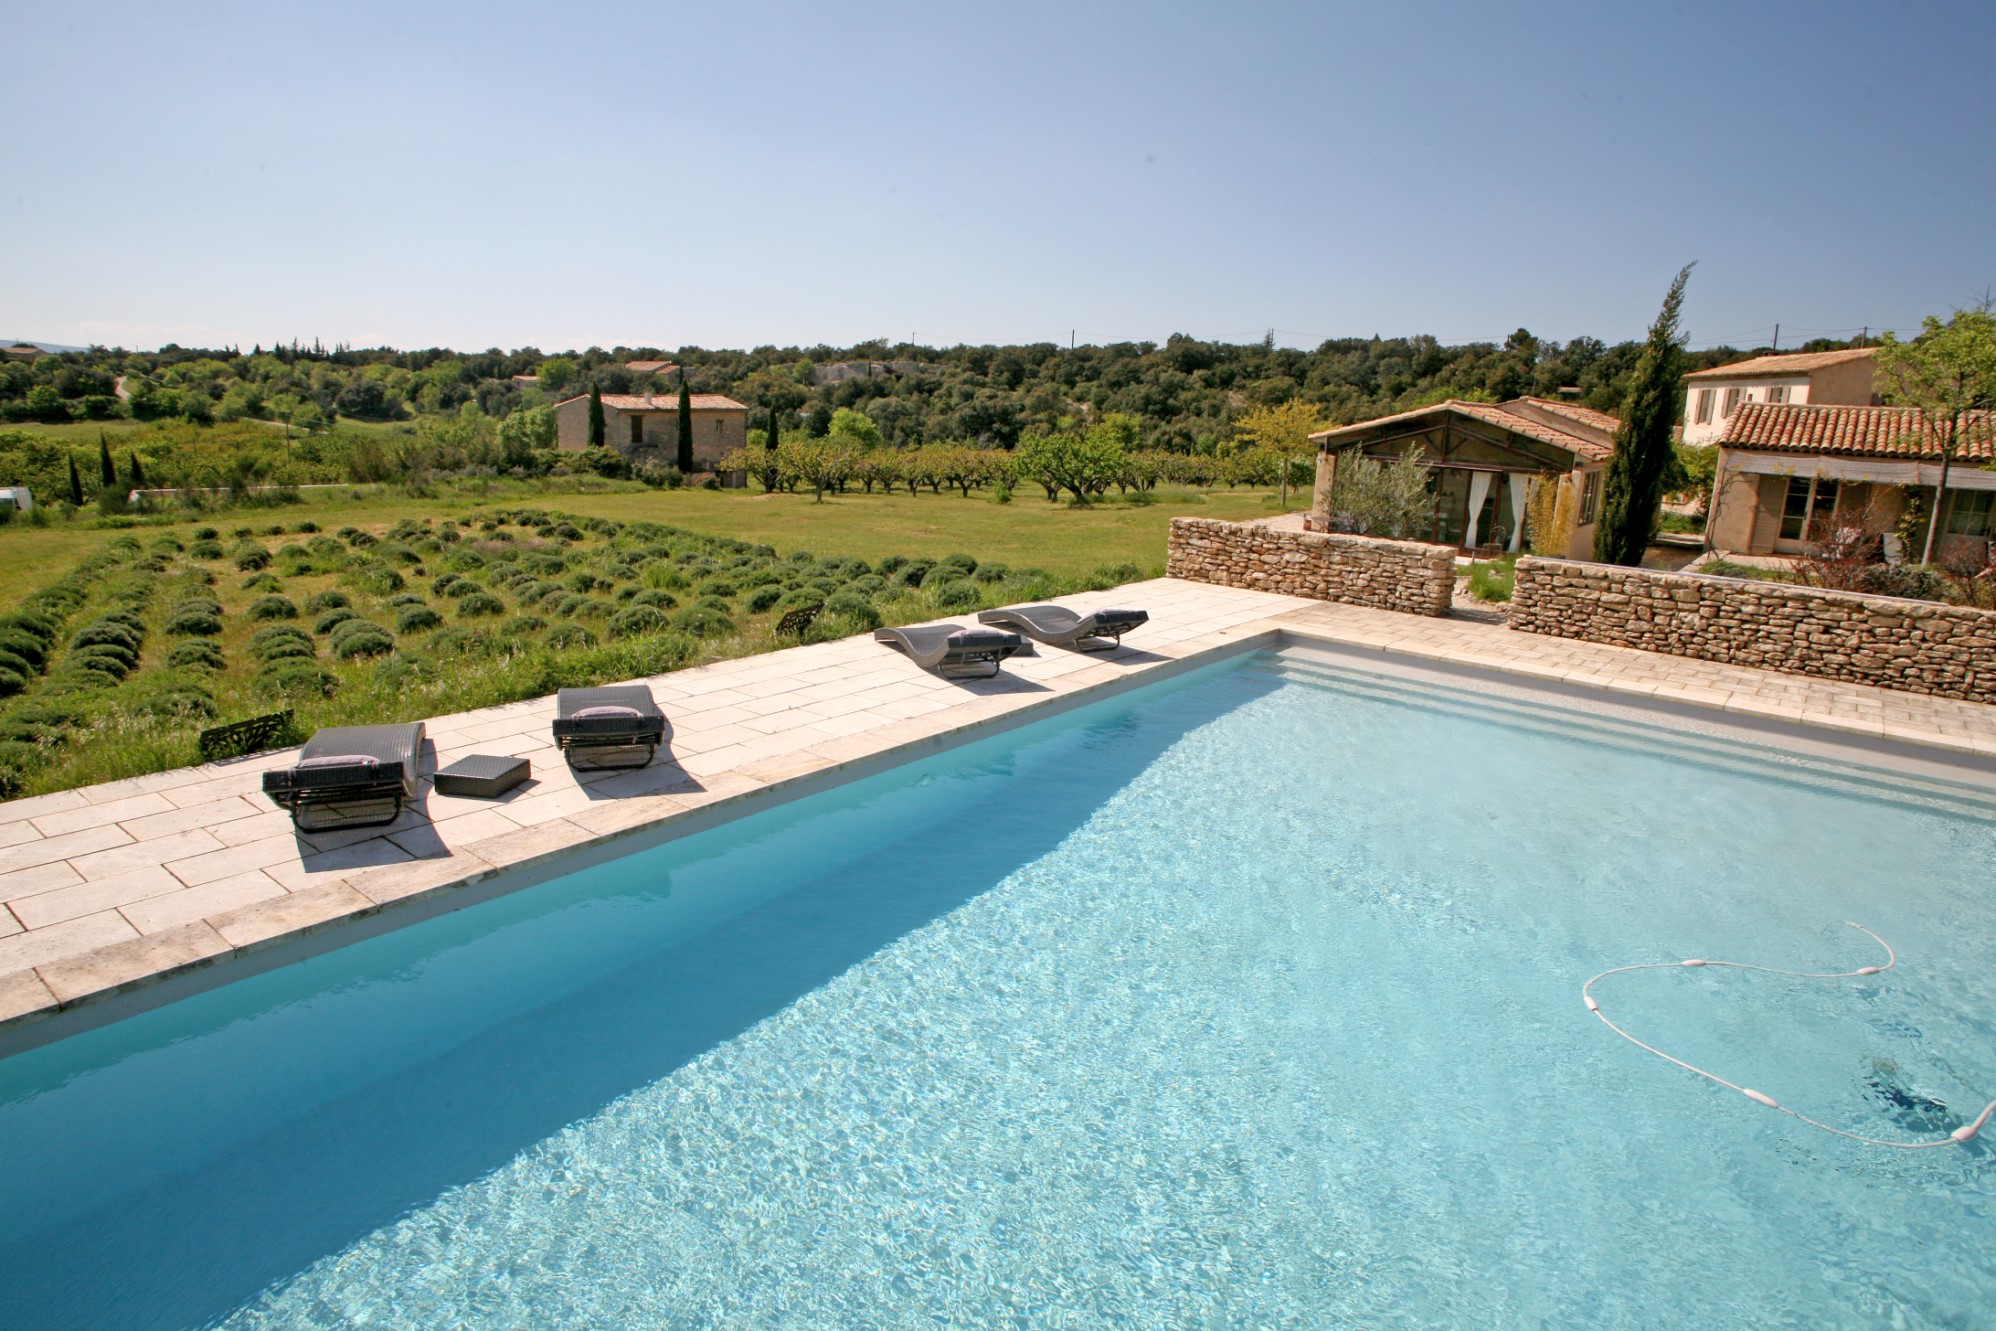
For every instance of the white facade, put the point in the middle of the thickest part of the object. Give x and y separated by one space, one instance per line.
1709 403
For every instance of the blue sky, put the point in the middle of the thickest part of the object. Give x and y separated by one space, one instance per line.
740 174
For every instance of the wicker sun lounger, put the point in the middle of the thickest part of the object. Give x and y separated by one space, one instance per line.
349 776
617 725
1058 626
953 651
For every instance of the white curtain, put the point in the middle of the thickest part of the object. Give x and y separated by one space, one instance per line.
1479 490
1521 482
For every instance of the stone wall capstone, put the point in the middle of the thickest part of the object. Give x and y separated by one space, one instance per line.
1409 576
1914 646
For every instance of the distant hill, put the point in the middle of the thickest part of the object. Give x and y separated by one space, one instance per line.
45 346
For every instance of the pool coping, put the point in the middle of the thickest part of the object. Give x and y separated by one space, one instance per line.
623 813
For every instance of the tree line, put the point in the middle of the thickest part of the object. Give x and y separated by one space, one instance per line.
1187 393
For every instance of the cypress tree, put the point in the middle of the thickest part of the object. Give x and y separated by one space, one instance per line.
107 468
685 460
135 471
1633 489
75 483
597 429
769 452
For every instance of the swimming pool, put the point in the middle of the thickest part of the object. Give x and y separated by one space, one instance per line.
1247 999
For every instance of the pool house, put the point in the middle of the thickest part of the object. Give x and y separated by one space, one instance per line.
1485 457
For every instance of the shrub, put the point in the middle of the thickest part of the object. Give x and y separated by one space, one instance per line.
205 534
416 618
855 609
264 642
357 539
197 653
703 622
272 607
639 619
262 582
108 630
359 638
891 565
571 605
374 579
405 598
461 642
762 598
479 604
249 555
582 581
205 549
325 547
523 626
28 646
658 600
720 588
912 573
326 600
12 682
991 573
1491 580
963 563
564 636
955 593
332 619
108 657
194 621
402 669
297 678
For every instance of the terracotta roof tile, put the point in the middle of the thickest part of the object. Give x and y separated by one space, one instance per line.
666 402
1489 414
1573 411
650 366
1796 363
1890 432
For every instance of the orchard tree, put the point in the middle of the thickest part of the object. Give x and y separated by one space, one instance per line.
856 426
1633 492
1284 432
1949 373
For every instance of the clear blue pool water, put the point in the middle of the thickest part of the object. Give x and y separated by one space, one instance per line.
1249 1000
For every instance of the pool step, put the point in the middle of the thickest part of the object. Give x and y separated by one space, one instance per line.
1495 704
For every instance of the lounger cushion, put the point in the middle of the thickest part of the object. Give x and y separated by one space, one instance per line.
341 769
620 712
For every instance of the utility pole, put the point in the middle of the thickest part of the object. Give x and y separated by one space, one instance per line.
1777 337
1070 339
1864 338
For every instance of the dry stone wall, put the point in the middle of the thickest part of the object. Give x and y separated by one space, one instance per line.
1408 576
1914 646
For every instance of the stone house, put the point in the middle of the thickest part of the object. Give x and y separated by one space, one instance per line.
1485 457
1821 378
645 427
1787 470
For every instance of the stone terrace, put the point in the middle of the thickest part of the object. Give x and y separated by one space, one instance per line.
117 886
